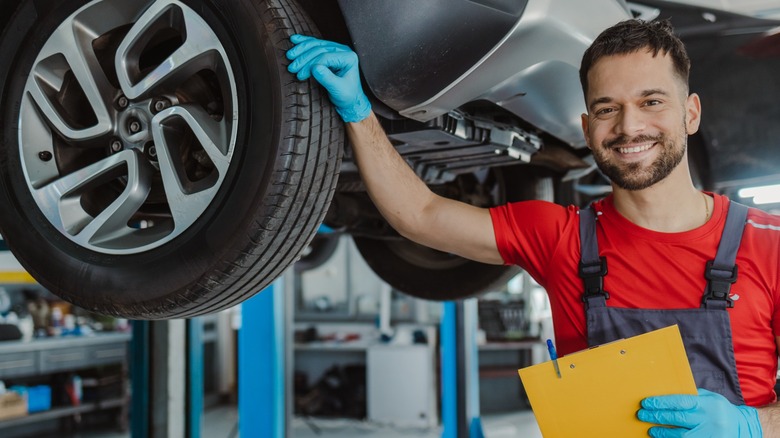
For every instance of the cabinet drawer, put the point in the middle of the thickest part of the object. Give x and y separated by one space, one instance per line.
17 364
61 359
108 354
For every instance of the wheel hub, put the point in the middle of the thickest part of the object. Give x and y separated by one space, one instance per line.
133 126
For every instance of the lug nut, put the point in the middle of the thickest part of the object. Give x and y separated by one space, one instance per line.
45 155
116 145
161 104
151 150
134 126
122 102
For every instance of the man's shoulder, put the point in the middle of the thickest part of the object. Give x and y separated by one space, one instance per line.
534 214
762 230
762 220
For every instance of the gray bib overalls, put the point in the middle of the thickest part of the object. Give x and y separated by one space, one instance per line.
706 331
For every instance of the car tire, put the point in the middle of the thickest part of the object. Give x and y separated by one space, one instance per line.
429 274
319 251
434 275
249 204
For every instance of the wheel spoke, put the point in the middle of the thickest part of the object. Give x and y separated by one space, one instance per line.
213 135
188 200
196 52
72 52
61 201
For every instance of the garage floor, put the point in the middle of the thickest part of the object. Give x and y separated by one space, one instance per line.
220 422
521 424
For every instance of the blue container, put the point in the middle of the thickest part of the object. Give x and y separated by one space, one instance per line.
38 398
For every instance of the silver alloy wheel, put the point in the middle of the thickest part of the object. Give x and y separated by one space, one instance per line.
128 124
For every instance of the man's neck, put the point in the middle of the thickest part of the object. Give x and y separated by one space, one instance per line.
668 206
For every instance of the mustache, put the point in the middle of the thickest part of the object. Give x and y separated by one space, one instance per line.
623 140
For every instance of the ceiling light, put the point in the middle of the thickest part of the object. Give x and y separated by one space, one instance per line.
761 195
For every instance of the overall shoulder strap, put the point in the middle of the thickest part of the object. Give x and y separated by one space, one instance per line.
592 267
721 273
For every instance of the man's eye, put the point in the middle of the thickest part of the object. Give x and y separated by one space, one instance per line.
652 102
604 111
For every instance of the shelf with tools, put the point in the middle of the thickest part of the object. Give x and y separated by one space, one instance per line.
61 412
100 358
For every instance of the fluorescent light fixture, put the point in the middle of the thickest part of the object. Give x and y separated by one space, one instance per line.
761 195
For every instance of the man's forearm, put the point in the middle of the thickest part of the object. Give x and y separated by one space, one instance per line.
393 186
769 416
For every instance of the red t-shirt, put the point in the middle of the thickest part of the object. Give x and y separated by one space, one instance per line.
652 270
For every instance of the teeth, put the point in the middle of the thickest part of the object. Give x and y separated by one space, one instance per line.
635 149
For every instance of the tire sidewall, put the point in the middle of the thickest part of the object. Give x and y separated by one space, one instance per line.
466 280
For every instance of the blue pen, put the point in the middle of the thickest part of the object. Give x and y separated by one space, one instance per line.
553 357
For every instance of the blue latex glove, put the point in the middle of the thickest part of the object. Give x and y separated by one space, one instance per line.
705 415
335 66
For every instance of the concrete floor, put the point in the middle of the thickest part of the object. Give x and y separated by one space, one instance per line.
520 424
220 422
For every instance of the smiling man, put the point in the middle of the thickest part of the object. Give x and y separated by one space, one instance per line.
676 255
639 117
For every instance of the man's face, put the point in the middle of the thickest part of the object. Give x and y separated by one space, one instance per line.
638 118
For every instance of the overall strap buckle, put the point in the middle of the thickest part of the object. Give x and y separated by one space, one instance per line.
719 281
592 268
592 275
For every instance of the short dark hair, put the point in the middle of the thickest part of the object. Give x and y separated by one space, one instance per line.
631 36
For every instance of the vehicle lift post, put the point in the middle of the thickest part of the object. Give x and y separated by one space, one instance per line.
265 362
169 403
460 370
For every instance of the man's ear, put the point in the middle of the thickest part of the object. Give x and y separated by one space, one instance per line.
692 114
584 118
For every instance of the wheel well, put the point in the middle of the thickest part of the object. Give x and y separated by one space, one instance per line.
328 18
9 5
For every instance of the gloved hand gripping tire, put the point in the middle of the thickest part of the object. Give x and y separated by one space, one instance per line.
335 67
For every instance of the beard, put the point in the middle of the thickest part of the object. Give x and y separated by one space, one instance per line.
635 176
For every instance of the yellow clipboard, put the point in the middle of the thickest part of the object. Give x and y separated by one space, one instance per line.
600 388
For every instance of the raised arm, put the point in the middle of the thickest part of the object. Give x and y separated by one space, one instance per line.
403 199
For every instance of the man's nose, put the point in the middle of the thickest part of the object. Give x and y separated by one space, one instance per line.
630 121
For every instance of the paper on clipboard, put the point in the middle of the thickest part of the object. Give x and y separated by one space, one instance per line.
600 388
